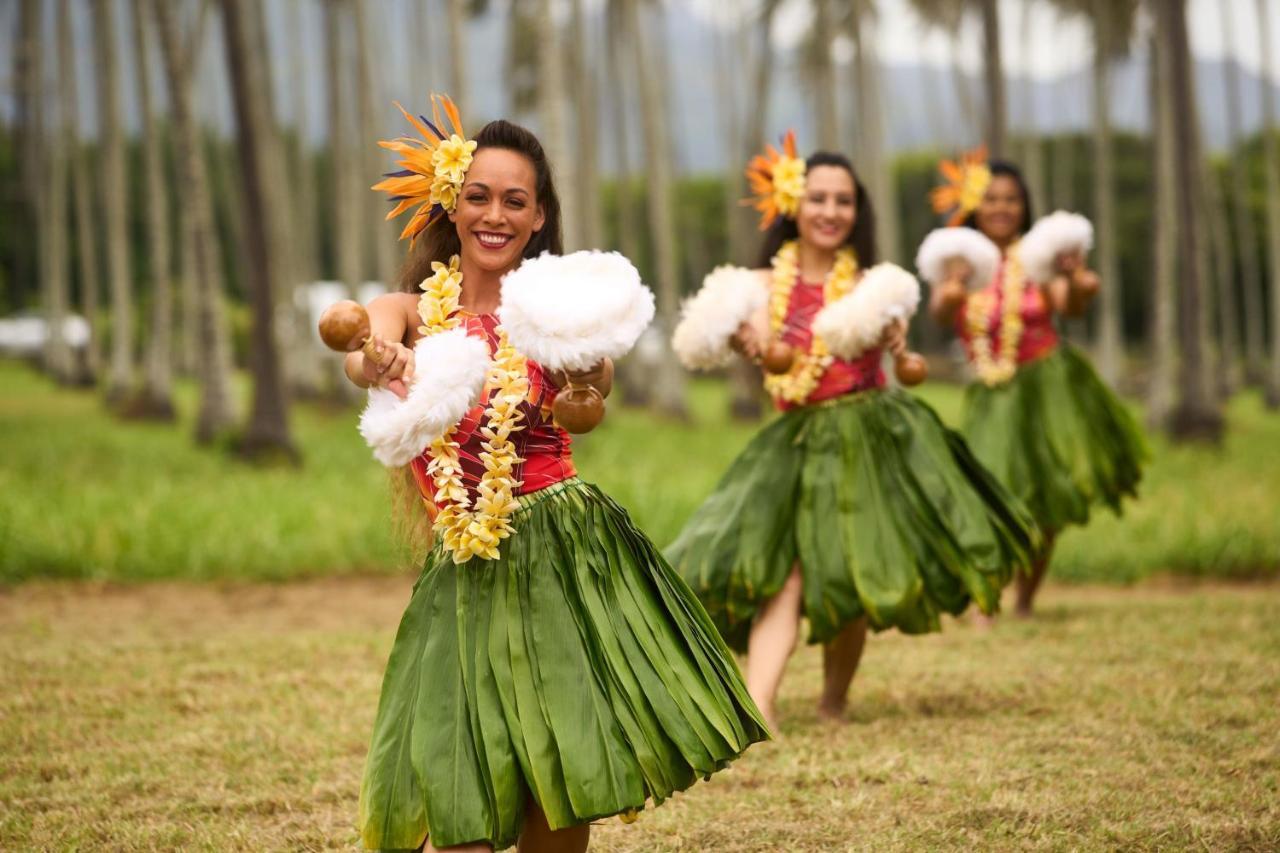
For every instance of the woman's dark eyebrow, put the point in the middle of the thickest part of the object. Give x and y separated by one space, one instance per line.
483 186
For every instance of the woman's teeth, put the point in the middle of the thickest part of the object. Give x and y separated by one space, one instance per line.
493 241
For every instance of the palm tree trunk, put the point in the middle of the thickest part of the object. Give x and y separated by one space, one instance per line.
653 111
346 231
824 85
28 132
304 363
587 108
1222 261
1110 350
1245 231
1271 161
753 137
85 230
114 191
993 75
381 236
457 25
876 173
1164 355
628 226
635 375
52 213
551 115
1032 145
267 433
157 389
1197 414
216 411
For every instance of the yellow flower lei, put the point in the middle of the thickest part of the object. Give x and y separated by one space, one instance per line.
797 384
1001 369
475 531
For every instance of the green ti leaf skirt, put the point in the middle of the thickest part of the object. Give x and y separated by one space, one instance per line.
1058 438
577 671
887 512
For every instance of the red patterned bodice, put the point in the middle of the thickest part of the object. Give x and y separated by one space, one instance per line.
841 377
1039 337
544 447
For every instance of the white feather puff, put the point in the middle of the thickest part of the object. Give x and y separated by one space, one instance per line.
854 323
1051 236
943 244
449 376
569 312
727 299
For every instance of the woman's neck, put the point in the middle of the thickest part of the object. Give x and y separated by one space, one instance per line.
1003 243
481 288
815 263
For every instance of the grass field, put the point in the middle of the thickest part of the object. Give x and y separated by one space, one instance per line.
83 495
236 716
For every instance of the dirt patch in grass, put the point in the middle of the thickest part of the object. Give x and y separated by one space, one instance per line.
235 717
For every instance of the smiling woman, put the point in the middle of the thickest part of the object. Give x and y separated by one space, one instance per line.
857 507
551 668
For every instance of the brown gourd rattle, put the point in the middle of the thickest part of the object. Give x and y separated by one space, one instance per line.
344 327
911 368
778 357
578 408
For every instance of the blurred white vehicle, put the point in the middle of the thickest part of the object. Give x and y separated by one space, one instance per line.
315 297
24 334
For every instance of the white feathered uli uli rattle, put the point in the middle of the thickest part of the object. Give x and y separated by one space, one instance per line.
944 245
855 323
571 312
729 297
449 381
1053 252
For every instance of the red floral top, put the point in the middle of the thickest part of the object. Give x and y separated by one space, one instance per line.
1039 337
544 447
841 377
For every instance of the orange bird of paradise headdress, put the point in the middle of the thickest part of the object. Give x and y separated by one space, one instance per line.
433 167
965 183
777 181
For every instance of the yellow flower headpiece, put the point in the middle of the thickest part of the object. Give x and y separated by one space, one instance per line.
966 183
433 167
777 180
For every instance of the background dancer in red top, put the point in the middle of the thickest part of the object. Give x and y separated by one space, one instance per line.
857 506
551 668
1038 415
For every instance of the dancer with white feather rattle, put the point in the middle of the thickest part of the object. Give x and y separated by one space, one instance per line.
551 668
856 507
1037 415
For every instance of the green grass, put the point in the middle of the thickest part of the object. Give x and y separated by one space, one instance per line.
84 495
236 717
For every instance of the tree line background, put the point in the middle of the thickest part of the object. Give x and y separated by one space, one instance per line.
186 245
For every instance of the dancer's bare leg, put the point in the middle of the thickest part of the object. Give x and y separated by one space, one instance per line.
1028 584
537 837
840 659
773 639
